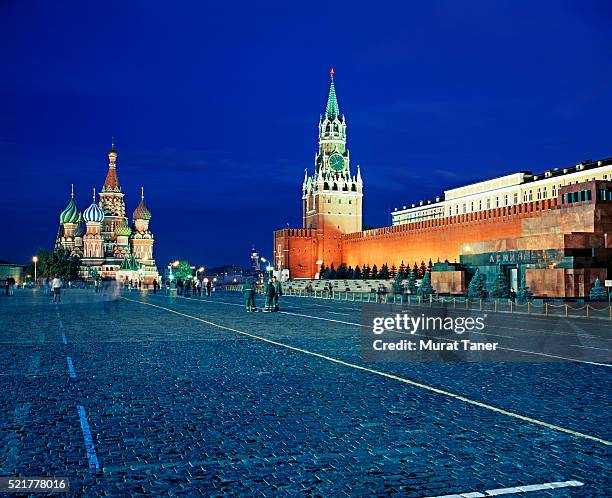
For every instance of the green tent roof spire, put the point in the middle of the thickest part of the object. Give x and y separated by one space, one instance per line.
332 110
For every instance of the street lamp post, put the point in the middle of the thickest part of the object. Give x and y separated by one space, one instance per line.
35 259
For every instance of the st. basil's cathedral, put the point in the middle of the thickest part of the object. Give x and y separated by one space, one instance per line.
102 238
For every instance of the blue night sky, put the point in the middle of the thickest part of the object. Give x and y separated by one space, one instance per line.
214 107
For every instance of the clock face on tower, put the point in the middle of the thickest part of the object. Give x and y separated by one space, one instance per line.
336 162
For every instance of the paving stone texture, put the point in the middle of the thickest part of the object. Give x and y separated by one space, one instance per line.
177 406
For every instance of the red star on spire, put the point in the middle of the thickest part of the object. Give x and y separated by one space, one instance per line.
331 72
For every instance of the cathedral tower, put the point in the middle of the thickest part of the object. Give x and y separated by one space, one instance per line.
113 205
332 196
141 238
93 216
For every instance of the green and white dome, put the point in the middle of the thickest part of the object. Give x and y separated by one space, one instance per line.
70 214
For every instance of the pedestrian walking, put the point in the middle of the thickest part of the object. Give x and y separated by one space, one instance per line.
248 291
10 286
278 291
269 293
179 287
208 288
512 295
155 286
56 285
46 285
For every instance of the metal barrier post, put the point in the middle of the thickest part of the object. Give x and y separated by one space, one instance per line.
495 305
454 302
545 309
528 307
587 311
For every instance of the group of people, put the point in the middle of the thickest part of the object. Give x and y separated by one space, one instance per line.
188 288
10 286
272 292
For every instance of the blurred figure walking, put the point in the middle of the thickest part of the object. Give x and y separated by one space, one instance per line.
56 285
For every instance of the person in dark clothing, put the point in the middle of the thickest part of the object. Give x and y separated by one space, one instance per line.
208 288
512 295
278 291
179 287
269 292
248 290
155 286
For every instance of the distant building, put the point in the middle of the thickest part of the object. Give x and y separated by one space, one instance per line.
8 270
224 274
101 236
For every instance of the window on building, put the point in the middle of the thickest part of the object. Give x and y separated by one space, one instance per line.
530 197
488 203
516 197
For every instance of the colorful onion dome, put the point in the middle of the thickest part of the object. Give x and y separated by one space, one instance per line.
142 212
70 214
80 229
123 229
93 213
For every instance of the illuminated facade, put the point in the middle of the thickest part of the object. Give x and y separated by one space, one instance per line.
332 196
505 191
552 231
102 238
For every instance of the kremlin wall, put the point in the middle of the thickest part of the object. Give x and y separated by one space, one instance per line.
552 230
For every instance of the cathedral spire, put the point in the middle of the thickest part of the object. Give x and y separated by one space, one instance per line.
111 184
332 110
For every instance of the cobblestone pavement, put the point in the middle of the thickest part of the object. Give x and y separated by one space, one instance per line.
180 401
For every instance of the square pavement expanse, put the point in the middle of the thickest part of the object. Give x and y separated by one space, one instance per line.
158 396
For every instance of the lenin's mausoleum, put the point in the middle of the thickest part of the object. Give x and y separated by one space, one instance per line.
552 229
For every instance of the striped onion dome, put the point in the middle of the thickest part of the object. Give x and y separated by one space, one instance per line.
93 213
142 212
70 214
123 229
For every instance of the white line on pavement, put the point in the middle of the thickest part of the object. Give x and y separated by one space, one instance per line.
386 375
515 489
400 332
88 439
70 367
